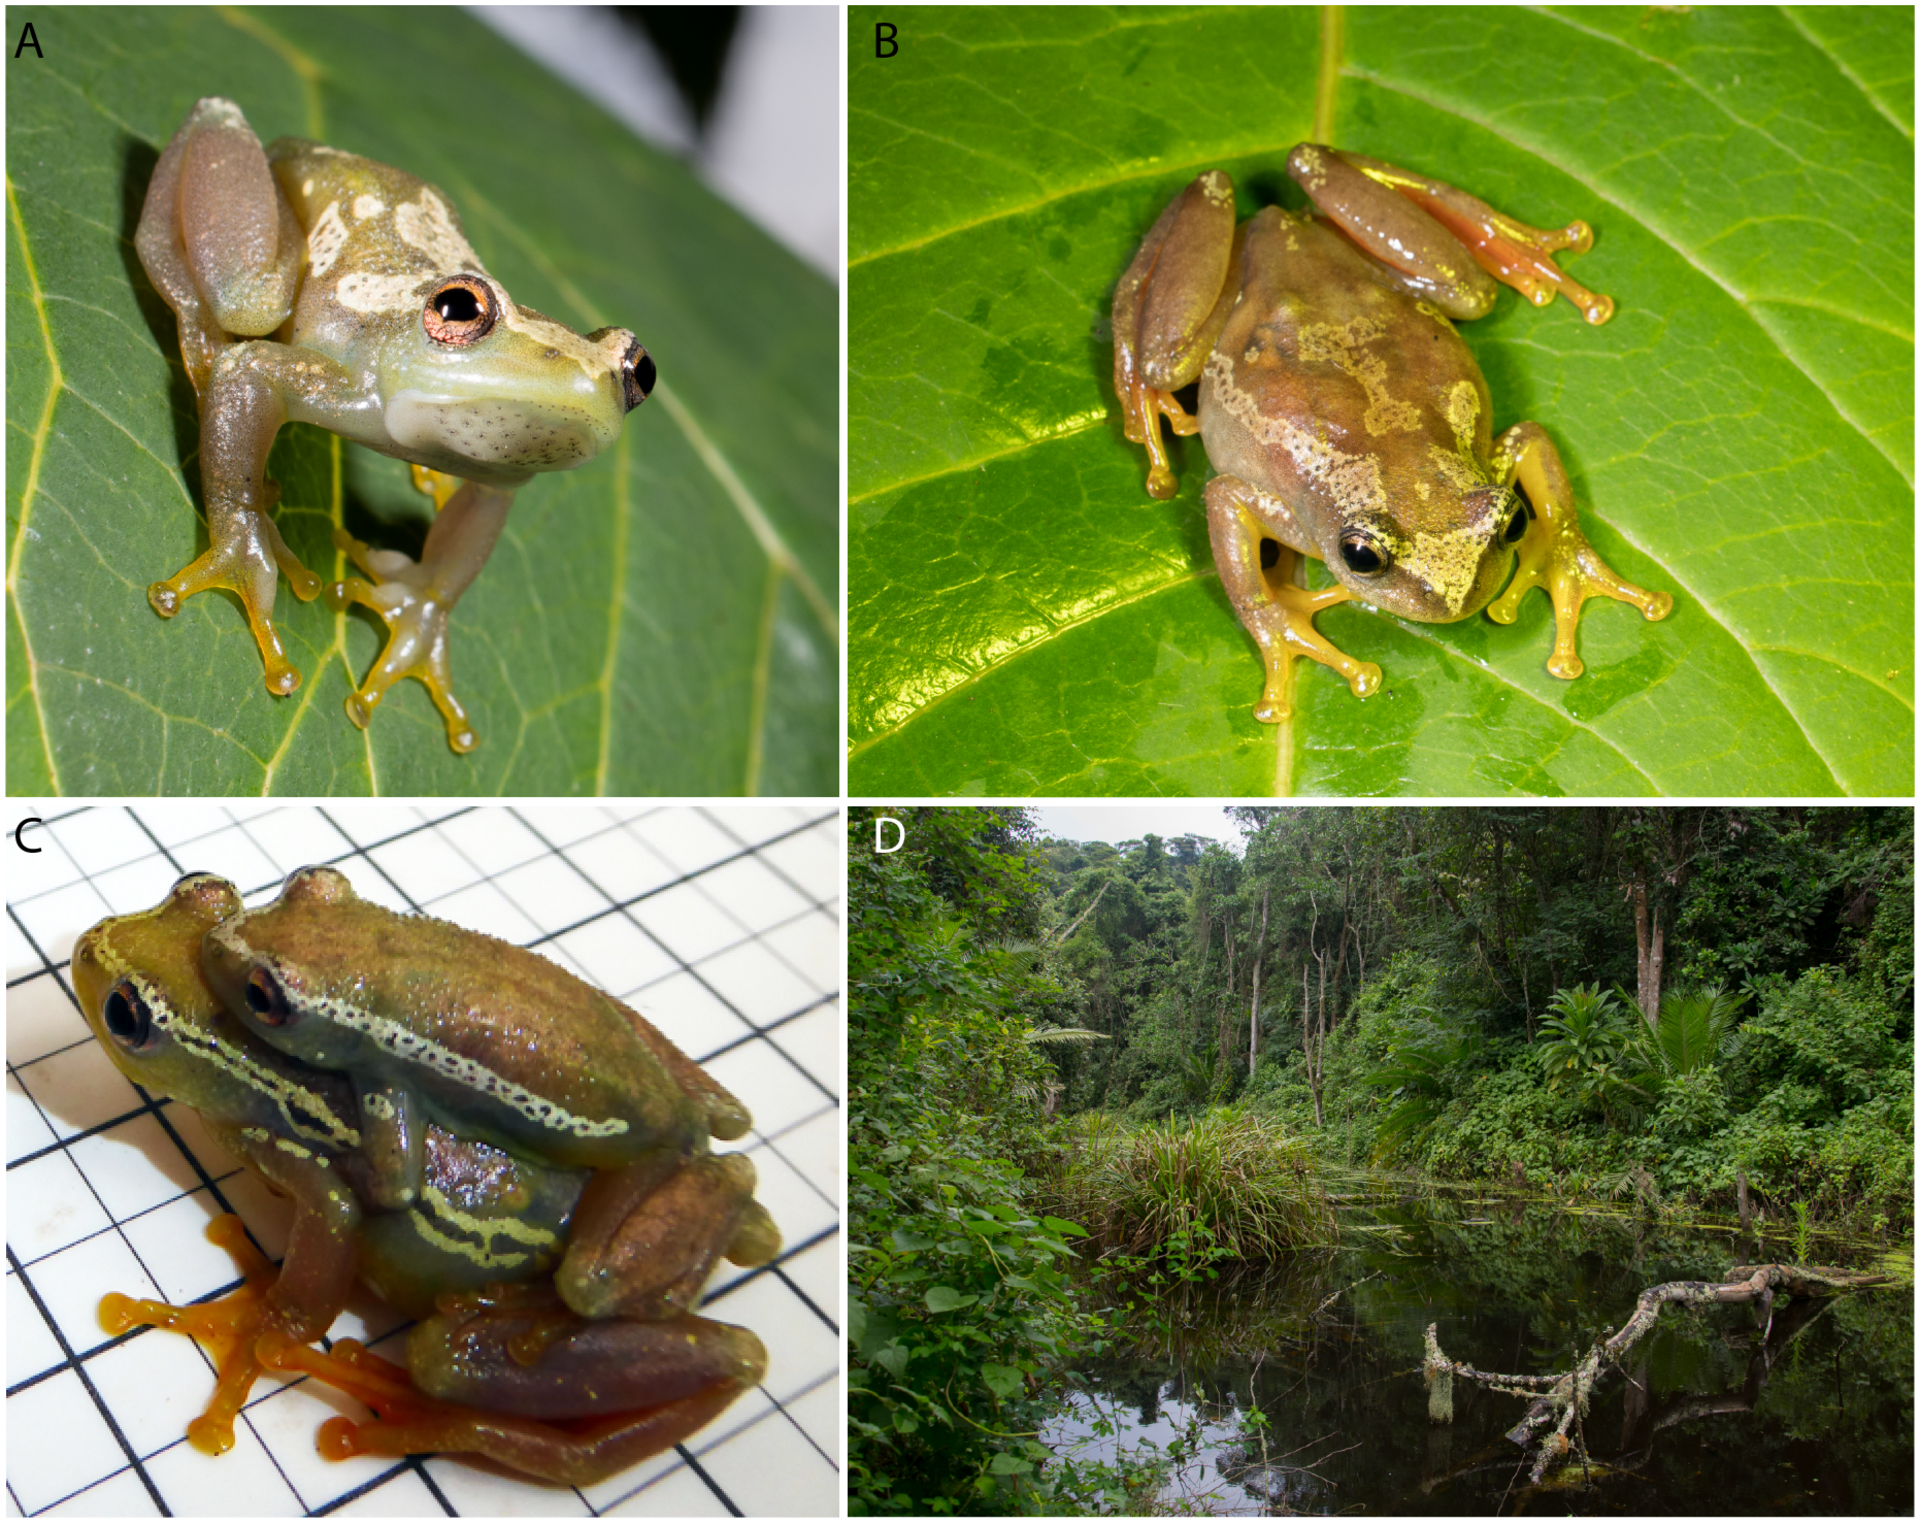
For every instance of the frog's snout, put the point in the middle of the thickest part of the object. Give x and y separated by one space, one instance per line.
637 375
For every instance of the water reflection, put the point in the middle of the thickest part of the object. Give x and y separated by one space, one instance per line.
1708 1418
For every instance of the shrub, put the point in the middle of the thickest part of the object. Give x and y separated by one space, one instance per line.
1506 1118
1829 1033
1692 1105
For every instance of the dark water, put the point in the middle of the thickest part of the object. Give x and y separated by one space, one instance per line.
1818 1418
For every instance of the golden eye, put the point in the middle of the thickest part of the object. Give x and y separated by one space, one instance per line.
460 311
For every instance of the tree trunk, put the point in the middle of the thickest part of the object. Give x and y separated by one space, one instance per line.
1253 1017
1651 937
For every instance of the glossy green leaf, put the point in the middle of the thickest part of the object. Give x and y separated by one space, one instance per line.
1026 621
661 620
946 1298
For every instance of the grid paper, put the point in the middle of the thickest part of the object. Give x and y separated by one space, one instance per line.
722 925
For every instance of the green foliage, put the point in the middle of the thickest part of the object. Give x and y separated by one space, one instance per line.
1694 1030
959 1298
1589 1050
660 621
1415 1062
1692 1105
1241 1183
1828 1033
1509 1117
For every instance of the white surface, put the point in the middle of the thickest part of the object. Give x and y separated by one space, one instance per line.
717 923
773 140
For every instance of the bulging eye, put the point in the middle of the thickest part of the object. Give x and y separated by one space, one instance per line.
129 1020
1516 525
638 375
266 999
461 311
1364 556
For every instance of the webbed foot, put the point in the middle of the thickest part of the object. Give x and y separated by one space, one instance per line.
1278 614
247 561
1554 553
228 1329
401 592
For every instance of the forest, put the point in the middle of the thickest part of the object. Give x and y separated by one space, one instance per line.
1083 1069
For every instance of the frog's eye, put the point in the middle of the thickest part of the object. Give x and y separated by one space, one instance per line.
461 311
1364 556
266 999
637 375
129 1020
1516 525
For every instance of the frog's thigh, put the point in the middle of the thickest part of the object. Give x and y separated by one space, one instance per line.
1508 250
625 1390
1554 553
241 239
642 1245
1407 244
1276 613
1172 302
1168 309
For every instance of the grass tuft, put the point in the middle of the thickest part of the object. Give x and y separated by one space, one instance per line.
1241 1177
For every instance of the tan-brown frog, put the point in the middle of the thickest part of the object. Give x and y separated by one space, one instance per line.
1345 417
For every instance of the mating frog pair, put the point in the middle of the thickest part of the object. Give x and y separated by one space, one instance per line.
1346 419
318 287
491 1144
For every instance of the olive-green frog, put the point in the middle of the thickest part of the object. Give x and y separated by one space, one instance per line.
503 1151
1346 419
316 286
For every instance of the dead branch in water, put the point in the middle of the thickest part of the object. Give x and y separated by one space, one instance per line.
1563 1398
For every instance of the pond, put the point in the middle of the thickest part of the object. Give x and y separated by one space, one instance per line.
1817 1418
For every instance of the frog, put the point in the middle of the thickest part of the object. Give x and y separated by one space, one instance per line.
500 1363
476 1034
1344 416
312 285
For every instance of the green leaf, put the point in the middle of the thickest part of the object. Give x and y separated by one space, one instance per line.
893 1359
1061 1228
658 621
946 1298
1026 621
1009 1464
1001 1379
856 1320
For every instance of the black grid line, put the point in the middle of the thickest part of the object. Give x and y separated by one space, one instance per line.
638 901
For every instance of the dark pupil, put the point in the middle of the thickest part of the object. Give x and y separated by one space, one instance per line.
1359 555
123 1019
457 304
643 373
1517 525
258 999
